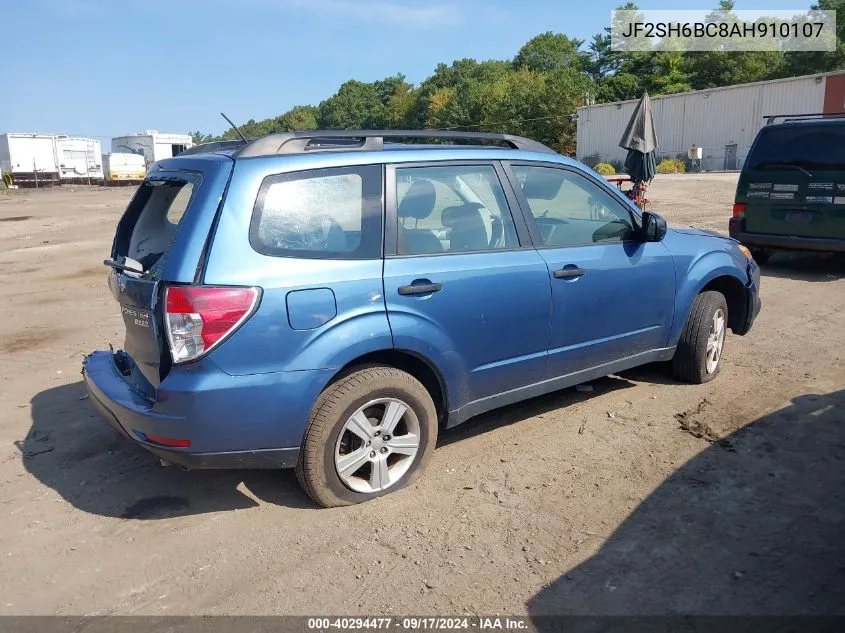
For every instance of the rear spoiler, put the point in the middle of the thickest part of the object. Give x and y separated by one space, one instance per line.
213 146
771 118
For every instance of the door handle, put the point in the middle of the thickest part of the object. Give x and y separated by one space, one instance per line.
569 273
420 289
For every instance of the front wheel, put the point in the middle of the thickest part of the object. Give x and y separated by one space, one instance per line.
369 433
699 352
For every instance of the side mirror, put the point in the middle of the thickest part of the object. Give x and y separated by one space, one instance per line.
654 227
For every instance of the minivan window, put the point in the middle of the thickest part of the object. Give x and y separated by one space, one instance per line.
820 147
323 213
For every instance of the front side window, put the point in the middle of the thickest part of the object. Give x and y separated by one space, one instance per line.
570 210
323 213
452 209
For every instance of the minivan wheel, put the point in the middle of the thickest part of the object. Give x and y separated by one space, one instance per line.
699 352
370 433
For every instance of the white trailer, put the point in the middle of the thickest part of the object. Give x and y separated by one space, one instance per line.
29 158
80 159
152 144
124 167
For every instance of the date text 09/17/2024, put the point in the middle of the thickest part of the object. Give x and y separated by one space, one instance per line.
419 623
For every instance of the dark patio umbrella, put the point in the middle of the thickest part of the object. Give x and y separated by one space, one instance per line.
640 140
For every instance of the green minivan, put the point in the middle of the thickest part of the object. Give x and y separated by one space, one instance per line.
791 192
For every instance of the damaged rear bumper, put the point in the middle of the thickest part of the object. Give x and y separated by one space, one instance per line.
135 417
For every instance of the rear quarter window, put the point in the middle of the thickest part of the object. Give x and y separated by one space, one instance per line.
322 213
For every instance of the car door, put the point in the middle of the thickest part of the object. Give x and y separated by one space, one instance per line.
463 286
612 293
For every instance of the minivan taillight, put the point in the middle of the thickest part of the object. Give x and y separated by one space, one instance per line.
739 209
198 317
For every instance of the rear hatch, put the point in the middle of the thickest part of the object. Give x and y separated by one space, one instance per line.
793 181
160 240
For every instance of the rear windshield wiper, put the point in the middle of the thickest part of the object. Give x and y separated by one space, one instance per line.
131 266
769 165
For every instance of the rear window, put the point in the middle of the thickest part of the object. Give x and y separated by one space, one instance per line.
149 225
807 146
321 213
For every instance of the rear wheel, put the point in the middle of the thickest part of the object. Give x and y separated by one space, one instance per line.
370 433
699 352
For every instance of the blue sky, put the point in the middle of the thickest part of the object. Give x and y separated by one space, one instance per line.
105 68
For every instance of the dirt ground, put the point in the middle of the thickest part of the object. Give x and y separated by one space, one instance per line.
643 496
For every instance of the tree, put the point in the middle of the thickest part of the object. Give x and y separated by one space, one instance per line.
537 92
602 61
366 105
806 63
448 98
199 137
398 97
709 69
551 51
356 105
301 117
619 87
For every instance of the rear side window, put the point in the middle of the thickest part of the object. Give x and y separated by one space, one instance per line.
450 209
321 213
149 225
807 146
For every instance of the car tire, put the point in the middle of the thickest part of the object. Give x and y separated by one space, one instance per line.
698 355
760 256
345 459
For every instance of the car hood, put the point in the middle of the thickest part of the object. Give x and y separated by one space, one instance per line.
702 233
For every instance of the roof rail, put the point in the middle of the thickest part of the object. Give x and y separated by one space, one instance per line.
770 118
362 140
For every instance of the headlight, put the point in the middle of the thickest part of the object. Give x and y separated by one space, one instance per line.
745 251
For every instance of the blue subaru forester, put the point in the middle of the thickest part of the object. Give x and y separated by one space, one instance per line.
326 300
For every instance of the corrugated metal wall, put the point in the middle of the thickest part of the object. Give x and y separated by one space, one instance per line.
722 121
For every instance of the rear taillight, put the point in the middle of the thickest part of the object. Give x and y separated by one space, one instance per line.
739 209
198 317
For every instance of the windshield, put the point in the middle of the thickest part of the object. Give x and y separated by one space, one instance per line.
820 147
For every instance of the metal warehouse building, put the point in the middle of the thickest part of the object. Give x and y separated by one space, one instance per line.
721 121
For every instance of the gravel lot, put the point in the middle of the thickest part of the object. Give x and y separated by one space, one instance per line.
643 496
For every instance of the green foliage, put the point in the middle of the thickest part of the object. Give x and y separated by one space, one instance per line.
619 87
605 169
671 166
355 105
198 137
801 63
710 69
551 51
297 118
536 93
